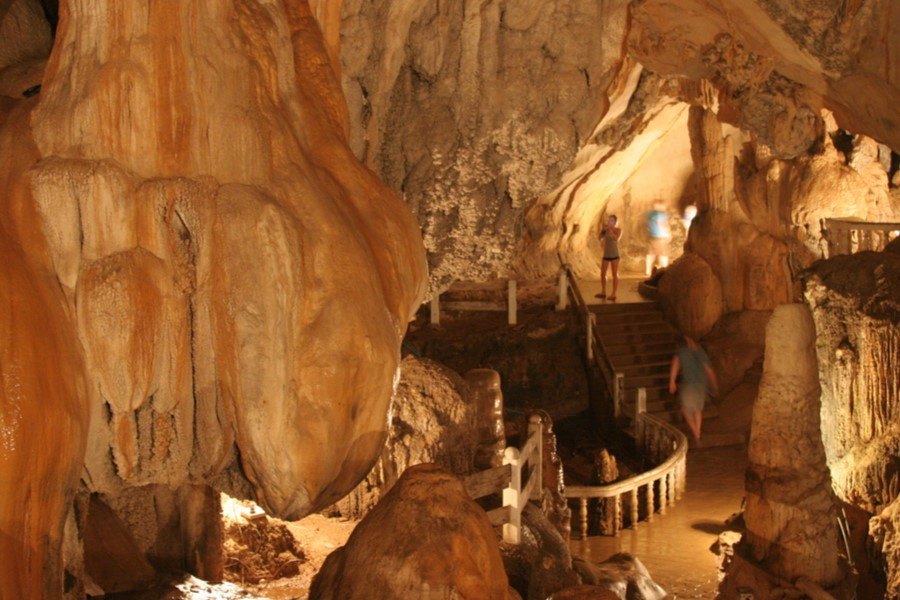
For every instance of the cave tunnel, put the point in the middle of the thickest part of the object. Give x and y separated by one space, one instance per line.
323 299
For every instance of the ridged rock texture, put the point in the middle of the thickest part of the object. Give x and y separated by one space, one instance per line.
500 122
472 109
202 284
790 508
855 302
434 419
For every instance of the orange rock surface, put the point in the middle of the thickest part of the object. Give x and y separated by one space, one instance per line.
198 275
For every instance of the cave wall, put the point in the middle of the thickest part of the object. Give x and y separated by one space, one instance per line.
472 109
193 252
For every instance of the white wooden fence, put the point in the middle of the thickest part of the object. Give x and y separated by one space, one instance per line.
511 306
846 237
520 479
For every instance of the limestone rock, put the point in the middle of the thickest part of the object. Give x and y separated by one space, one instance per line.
854 302
885 530
425 538
791 509
541 564
623 574
433 420
24 33
697 304
182 207
448 102
585 592
736 342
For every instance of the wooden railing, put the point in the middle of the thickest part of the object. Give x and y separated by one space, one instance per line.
595 350
846 237
660 443
510 307
520 479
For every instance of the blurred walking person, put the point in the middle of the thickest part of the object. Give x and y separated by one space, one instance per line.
697 379
660 236
610 235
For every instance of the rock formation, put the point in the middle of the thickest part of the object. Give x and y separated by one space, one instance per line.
434 419
426 538
623 574
855 306
791 510
193 255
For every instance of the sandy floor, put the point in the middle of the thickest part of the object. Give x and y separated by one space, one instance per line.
676 548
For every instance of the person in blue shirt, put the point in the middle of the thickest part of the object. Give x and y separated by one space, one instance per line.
660 236
697 379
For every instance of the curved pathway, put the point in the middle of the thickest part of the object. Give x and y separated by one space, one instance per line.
677 548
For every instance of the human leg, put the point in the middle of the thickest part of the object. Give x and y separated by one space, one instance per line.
614 264
604 266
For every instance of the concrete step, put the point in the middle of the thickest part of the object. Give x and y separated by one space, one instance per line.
641 337
612 328
632 360
647 381
614 350
610 308
715 440
636 317
652 368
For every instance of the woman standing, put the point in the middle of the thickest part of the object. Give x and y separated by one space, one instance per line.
610 235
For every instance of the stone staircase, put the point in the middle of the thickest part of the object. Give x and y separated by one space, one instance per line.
640 344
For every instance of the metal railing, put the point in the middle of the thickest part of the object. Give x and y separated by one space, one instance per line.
844 236
595 350
659 442
520 479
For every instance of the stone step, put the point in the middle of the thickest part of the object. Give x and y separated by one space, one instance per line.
637 317
647 381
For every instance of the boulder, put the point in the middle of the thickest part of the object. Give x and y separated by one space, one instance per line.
690 295
585 592
425 538
433 420
623 574
541 564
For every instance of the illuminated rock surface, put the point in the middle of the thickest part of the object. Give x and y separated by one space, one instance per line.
425 538
216 252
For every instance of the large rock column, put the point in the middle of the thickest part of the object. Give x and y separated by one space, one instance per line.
182 215
791 508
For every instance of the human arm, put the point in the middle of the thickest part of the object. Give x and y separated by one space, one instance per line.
673 373
615 233
713 381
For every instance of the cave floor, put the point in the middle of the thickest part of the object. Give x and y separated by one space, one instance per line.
626 294
677 548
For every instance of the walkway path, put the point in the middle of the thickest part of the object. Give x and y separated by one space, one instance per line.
676 548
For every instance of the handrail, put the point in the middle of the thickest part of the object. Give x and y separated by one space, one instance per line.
593 339
669 477
509 479
846 236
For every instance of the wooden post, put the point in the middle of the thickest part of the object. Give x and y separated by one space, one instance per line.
563 290
651 508
512 497
635 509
589 337
663 494
583 515
436 309
617 514
618 394
640 408
536 427
512 308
